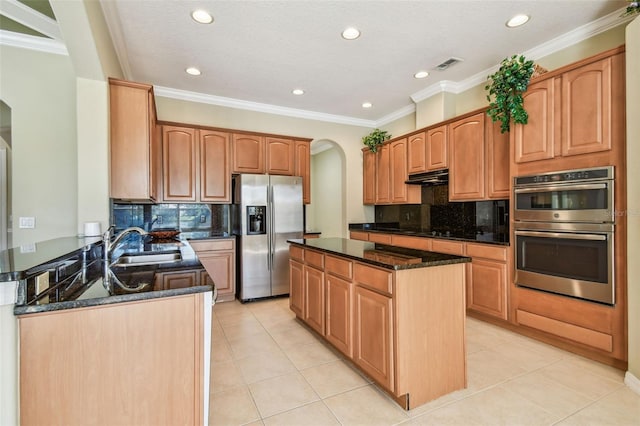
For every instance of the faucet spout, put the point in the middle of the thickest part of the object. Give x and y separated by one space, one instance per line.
109 245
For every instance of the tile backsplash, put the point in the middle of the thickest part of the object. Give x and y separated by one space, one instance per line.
184 217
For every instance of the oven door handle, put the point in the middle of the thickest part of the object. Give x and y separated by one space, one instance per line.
562 235
578 187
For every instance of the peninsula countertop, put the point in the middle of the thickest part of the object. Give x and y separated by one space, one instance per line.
389 257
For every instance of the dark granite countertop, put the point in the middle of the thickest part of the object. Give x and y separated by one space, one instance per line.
389 257
483 238
97 282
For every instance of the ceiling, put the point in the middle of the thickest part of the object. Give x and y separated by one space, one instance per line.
256 52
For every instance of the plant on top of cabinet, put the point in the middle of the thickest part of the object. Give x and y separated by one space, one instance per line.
507 85
375 138
633 8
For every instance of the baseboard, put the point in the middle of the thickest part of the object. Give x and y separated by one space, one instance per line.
632 382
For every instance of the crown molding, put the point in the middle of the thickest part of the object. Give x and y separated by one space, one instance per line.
565 40
409 109
109 9
185 95
31 18
24 41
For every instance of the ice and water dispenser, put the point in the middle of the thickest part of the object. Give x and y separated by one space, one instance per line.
256 223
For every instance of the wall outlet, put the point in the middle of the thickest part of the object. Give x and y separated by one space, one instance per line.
27 222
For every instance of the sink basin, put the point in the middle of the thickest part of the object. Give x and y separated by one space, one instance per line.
147 259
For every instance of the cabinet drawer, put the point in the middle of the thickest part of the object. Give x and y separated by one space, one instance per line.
416 243
296 253
212 245
487 251
380 238
314 258
339 267
377 279
450 247
359 235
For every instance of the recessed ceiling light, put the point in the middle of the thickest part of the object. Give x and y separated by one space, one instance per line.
351 33
421 74
367 105
193 71
517 20
297 92
202 16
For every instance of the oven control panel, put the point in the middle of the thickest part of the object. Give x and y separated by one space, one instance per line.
567 176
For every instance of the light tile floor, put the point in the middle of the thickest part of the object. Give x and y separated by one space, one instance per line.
268 369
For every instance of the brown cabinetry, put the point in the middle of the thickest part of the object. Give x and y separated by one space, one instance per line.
437 148
401 193
195 165
280 156
248 154
296 287
466 143
417 153
487 280
313 312
385 173
339 297
218 258
134 147
173 280
497 161
303 168
368 177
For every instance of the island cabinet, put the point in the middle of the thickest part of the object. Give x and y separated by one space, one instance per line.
134 147
218 256
403 327
195 165
573 111
135 363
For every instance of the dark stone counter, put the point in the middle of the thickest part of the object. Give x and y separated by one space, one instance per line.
389 257
471 237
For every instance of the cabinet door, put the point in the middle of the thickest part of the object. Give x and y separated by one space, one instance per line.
535 140
586 109
296 287
179 163
437 148
368 177
221 268
314 298
215 174
359 235
132 126
173 280
280 156
373 335
303 168
383 175
338 329
487 287
417 153
466 142
248 154
497 171
401 193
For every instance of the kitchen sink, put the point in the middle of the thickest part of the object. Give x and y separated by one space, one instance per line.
147 259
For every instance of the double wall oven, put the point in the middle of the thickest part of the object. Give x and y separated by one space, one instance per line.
564 233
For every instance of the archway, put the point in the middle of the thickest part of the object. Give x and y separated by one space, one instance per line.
327 211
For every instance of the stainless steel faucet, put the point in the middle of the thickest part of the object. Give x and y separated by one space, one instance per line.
109 245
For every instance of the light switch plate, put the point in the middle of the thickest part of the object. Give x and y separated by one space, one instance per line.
27 222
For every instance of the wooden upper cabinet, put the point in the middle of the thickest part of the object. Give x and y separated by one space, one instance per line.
586 108
215 174
383 175
134 149
248 154
417 153
303 168
437 148
535 140
401 193
466 142
280 156
180 159
368 176
497 172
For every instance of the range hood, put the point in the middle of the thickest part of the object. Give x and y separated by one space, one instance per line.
438 177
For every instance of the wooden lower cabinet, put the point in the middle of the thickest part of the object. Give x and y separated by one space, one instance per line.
359 235
218 257
173 280
135 363
373 335
487 287
403 328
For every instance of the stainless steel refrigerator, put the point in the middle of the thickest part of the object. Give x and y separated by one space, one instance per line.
267 211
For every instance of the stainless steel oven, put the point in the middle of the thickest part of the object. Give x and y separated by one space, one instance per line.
564 233
568 196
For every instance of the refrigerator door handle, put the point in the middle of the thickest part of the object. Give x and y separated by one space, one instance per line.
271 229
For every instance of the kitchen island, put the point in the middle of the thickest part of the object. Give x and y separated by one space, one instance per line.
397 314
114 342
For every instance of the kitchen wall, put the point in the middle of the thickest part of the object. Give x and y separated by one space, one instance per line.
40 88
326 210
